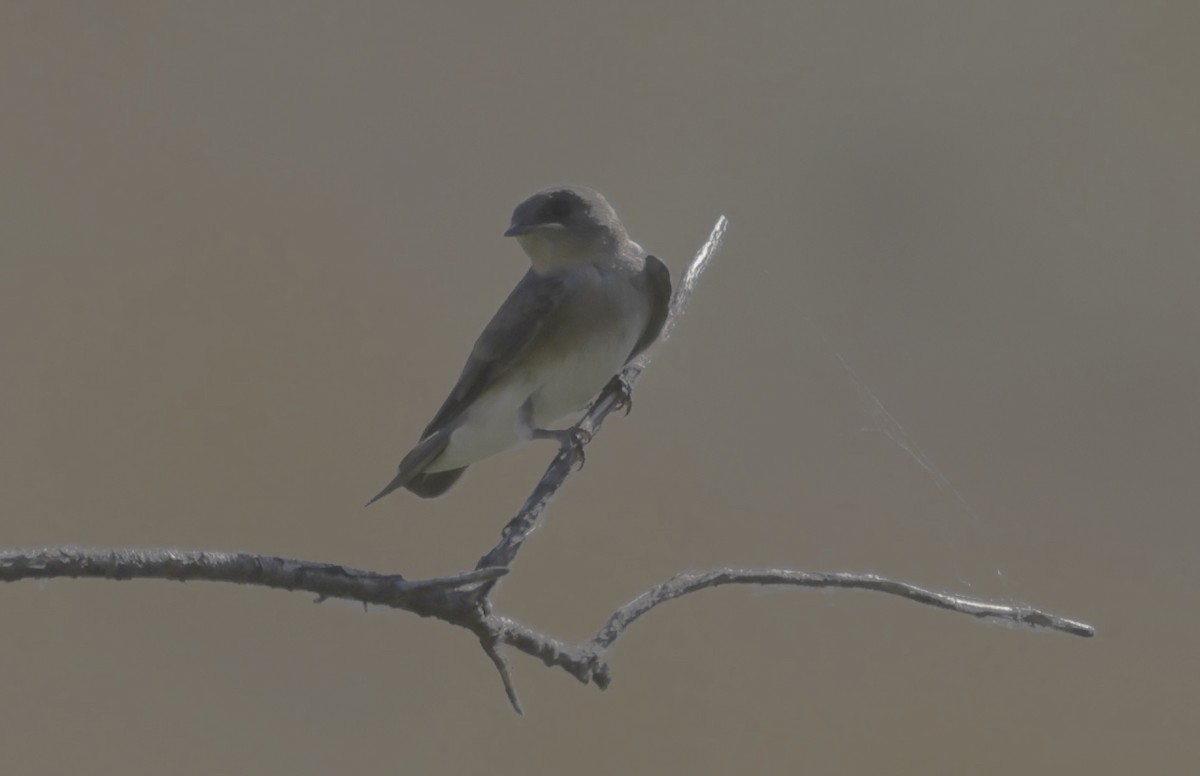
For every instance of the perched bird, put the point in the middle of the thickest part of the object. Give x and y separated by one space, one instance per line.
590 303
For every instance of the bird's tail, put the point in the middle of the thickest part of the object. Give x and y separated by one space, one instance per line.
410 473
431 485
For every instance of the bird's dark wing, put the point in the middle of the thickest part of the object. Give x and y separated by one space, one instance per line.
656 281
416 460
512 329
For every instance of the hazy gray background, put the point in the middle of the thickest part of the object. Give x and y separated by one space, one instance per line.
245 248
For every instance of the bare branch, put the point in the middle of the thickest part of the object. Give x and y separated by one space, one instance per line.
691 276
692 581
613 396
429 597
586 662
462 599
579 661
459 600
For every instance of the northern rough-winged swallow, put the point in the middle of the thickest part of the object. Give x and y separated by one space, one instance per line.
592 301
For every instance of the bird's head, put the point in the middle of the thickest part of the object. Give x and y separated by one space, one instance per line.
566 225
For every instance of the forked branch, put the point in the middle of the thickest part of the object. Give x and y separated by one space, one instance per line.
463 599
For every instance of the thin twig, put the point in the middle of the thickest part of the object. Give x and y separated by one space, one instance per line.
528 517
492 648
692 581
586 662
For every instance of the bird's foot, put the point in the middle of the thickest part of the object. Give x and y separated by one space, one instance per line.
570 440
624 392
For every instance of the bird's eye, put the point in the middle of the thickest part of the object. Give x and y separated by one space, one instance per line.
559 210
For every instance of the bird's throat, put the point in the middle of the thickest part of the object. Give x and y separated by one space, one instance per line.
548 252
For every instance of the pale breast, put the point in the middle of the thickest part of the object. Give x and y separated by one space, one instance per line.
574 356
598 332
487 428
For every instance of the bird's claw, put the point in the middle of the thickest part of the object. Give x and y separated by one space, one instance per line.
574 441
624 393
570 441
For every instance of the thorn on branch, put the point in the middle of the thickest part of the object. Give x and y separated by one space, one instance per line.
491 646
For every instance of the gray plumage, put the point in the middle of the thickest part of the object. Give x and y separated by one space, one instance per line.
591 302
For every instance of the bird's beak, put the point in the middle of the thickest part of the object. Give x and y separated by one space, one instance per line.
516 230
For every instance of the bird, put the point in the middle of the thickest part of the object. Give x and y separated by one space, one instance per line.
591 301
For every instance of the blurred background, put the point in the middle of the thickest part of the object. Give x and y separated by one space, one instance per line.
952 338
